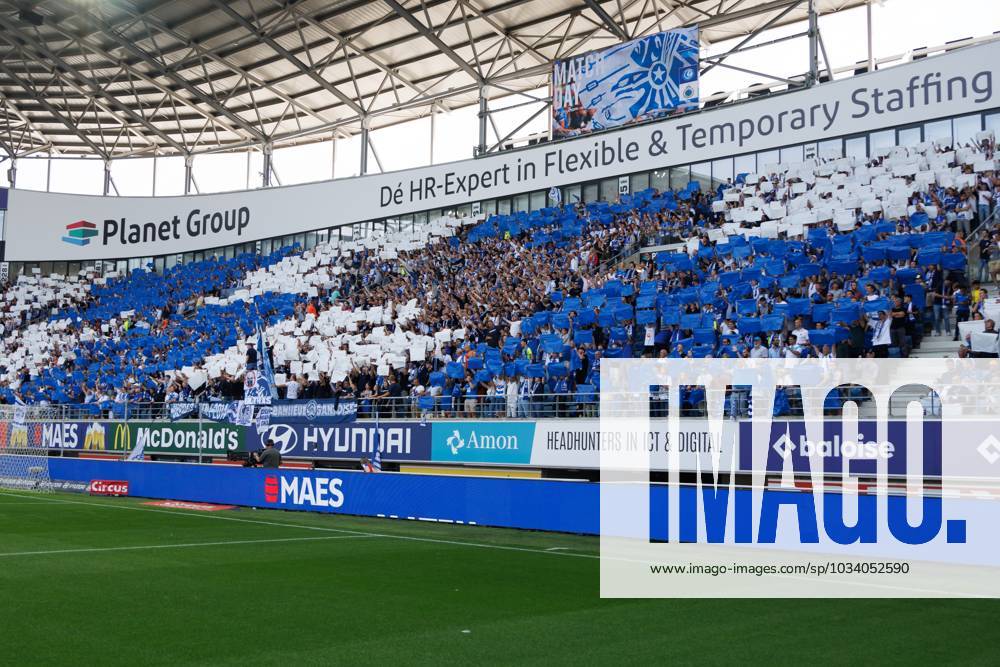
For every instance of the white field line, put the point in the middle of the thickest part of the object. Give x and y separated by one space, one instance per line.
189 545
479 545
307 527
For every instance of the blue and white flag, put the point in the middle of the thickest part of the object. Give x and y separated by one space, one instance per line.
258 386
138 452
555 195
265 363
375 463
181 410
263 418
239 413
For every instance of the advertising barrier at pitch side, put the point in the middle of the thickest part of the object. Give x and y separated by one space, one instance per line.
148 437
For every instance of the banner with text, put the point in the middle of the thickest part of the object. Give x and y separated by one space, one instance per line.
501 442
325 411
400 441
124 437
47 226
643 79
577 443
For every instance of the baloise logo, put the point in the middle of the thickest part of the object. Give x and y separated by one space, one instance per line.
80 232
284 436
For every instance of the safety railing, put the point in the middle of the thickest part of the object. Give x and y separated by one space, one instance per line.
982 399
974 266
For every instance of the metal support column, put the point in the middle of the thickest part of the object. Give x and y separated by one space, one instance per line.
433 115
365 124
188 175
12 172
483 115
333 155
813 75
265 180
871 59
107 177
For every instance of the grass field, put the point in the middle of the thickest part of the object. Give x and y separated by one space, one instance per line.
86 580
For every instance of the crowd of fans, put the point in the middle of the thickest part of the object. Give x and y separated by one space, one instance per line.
523 308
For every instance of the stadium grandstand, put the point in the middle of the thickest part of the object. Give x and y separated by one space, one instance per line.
390 264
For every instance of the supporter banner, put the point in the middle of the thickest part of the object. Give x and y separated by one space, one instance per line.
314 412
47 226
257 388
577 443
289 412
503 442
124 437
401 441
639 80
234 412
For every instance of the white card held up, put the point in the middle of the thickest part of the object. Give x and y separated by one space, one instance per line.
984 342
197 379
970 327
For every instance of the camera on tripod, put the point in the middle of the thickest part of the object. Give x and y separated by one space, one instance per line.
246 458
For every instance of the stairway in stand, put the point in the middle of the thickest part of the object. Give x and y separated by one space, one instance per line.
936 346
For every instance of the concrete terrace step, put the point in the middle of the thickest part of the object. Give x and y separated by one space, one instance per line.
936 346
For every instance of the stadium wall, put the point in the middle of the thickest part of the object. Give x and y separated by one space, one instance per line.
953 84
562 506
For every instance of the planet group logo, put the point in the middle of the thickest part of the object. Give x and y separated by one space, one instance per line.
80 232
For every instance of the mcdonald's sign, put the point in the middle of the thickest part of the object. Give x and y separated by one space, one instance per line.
122 441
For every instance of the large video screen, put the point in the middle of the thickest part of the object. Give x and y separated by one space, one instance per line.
646 78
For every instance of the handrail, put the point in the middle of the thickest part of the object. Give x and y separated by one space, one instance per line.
972 243
581 404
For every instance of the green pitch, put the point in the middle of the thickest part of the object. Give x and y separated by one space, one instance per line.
90 580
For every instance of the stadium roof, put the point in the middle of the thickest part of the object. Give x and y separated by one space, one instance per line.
117 78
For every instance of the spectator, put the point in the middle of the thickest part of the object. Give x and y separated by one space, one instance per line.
882 335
